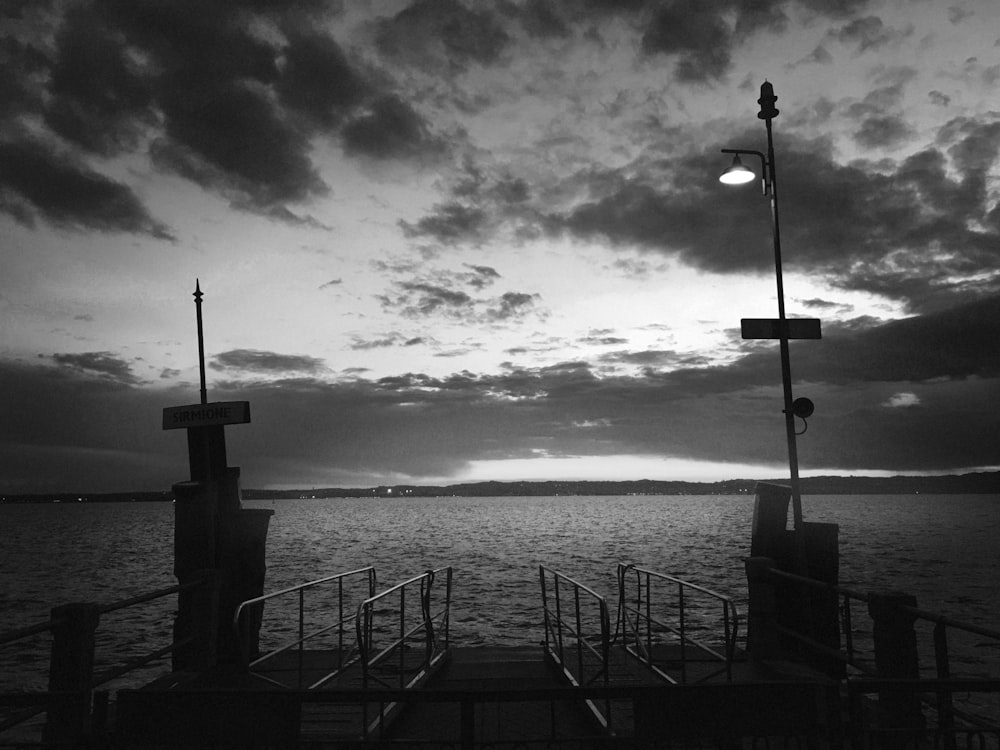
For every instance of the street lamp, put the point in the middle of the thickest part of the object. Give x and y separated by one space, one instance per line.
738 174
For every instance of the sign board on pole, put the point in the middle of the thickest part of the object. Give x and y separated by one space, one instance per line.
770 328
206 415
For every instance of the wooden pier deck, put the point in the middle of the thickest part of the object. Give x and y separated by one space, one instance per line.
483 696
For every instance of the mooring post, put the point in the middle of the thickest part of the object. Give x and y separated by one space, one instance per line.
896 658
71 669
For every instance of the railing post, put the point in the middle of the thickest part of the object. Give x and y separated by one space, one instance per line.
896 658
946 709
71 669
762 636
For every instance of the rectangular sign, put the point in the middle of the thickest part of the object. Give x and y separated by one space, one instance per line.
205 415
770 328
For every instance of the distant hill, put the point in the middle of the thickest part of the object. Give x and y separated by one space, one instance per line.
977 483
963 484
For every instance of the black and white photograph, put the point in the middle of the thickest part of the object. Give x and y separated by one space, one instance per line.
503 375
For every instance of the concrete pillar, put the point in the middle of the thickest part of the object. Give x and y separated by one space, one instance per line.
770 518
896 658
242 565
762 638
71 668
197 619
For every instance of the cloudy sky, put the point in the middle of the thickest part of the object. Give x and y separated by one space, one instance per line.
446 241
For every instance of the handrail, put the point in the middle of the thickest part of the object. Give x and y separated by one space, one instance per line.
424 628
21 633
242 623
559 628
639 629
407 629
18 634
150 596
848 654
37 702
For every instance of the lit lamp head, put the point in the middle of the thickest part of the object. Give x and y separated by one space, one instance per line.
738 173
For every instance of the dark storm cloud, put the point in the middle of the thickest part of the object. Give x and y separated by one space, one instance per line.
513 305
231 139
483 276
23 73
952 344
384 342
868 33
883 131
449 223
390 129
81 426
99 98
939 98
882 123
64 191
648 358
696 32
941 367
418 299
230 96
482 199
318 79
701 36
921 232
105 365
442 36
540 19
603 337
253 360
441 293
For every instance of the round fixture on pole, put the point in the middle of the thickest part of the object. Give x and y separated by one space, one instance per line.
737 173
803 407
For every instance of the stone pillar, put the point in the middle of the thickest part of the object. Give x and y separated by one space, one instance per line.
242 565
770 518
197 619
762 638
896 658
71 669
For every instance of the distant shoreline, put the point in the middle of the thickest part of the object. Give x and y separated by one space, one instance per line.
952 484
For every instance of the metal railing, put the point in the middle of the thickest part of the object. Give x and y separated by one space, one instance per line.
339 634
850 654
906 618
427 627
401 646
577 631
664 622
71 701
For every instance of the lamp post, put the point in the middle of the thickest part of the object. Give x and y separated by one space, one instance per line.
738 174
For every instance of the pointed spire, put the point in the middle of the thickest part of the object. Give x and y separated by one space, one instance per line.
201 341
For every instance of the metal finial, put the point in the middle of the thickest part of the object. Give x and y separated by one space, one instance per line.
201 341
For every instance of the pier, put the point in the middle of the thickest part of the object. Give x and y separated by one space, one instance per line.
662 662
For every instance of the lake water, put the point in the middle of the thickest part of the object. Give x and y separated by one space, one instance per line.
942 549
